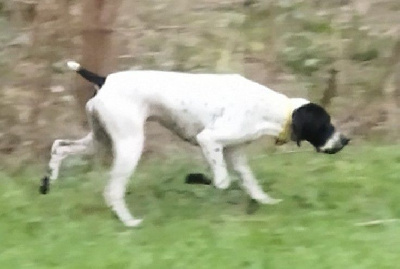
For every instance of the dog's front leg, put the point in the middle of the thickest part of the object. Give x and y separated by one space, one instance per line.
213 153
236 158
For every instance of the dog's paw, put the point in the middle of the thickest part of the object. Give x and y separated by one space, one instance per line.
223 184
44 185
197 178
133 222
268 200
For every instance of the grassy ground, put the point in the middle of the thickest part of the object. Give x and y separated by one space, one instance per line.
199 227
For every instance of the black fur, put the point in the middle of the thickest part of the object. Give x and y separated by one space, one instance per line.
197 178
311 123
45 185
92 77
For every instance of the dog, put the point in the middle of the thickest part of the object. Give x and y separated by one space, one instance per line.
221 113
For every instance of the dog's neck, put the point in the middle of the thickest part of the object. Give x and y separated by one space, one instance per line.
285 135
297 102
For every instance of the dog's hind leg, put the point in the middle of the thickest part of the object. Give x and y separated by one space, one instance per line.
127 153
126 133
236 159
59 151
63 148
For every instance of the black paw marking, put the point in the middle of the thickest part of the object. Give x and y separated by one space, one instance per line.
197 178
45 185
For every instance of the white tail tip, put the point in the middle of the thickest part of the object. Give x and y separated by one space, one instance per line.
73 65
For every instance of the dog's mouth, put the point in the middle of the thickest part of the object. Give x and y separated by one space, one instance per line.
330 151
335 144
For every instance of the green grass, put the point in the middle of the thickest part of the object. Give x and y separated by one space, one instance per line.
200 227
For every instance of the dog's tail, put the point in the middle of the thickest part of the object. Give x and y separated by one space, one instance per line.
86 74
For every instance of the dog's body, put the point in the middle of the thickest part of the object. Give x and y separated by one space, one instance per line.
190 103
220 113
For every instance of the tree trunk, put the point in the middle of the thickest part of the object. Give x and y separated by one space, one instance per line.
99 50
20 13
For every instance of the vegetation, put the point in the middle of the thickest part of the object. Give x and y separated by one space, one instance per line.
189 226
291 46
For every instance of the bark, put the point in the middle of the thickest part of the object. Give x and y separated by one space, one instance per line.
99 50
331 89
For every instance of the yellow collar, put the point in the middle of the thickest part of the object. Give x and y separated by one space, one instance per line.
284 136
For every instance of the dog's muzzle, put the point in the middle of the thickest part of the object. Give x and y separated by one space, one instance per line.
334 144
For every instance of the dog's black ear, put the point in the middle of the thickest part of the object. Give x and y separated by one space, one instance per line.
298 142
311 123
295 136
296 128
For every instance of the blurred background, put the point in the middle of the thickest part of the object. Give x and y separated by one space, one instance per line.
343 54
339 211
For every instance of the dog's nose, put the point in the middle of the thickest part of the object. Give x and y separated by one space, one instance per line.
344 140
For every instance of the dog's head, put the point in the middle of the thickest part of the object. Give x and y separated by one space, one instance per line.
311 122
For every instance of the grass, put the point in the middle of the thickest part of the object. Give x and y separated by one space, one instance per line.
189 226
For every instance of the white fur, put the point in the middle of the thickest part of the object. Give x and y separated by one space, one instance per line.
331 142
73 65
218 112
64 148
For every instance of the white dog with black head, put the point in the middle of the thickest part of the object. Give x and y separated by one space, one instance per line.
221 113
